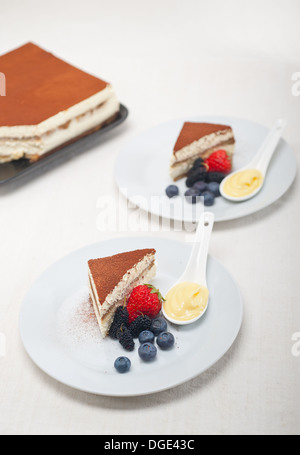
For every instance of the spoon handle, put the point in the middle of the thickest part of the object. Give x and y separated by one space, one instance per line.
196 267
268 147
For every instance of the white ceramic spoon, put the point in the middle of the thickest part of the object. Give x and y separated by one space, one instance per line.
196 268
260 161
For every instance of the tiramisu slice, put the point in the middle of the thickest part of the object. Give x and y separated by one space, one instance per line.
48 104
112 278
199 140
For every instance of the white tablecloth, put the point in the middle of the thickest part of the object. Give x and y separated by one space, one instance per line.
166 59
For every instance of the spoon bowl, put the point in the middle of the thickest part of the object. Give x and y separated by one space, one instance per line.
260 162
195 271
176 322
240 198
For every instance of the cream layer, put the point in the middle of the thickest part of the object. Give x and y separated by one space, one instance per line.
35 140
181 168
200 146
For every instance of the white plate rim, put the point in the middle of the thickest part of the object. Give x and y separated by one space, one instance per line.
218 218
174 383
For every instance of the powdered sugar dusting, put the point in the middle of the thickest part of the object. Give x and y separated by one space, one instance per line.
79 333
76 320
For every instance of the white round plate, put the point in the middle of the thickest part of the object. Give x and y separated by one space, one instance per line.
142 171
60 333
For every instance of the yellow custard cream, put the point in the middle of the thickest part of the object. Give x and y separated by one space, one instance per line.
186 301
243 183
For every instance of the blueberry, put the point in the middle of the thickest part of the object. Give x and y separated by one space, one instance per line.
172 190
146 336
122 364
214 187
200 186
158 325
165 340
192 195
209 198
147 351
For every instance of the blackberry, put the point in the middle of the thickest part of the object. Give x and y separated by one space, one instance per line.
139 324
113 330
125 338
189 182
120 331
215 177
121 317
198 162
195 175
197 172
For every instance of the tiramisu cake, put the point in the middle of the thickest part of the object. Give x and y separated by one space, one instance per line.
48 104
111 280
199 140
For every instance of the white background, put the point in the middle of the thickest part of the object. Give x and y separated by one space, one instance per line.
166 59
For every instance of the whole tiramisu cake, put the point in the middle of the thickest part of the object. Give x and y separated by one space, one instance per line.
197 140
48 104
112 279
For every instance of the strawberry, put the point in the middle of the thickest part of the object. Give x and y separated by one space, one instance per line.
219 161
145 299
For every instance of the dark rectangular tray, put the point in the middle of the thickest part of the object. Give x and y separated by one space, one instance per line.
14 169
